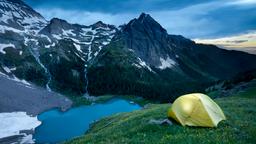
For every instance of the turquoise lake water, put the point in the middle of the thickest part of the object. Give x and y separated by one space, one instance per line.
59 126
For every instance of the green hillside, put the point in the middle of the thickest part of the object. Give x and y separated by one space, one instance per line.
134 127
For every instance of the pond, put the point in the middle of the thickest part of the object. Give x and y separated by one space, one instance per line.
59 126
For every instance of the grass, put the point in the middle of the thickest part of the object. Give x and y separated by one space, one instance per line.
79 100
104 98
134 127
139 100
249 93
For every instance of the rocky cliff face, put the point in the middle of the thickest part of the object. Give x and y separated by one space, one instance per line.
88 40
148 39
17 15
51 54
139 58
144 59
152 44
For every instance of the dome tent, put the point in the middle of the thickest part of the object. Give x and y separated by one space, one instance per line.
196 110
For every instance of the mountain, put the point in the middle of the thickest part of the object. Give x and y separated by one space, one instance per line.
88 40
52 54
18 17
143 59
18 23
138 58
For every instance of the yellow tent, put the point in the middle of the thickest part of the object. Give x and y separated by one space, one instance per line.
196 110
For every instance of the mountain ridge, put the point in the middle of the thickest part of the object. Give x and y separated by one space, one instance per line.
154 64
139 58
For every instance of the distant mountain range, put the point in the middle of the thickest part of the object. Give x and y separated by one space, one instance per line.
138 58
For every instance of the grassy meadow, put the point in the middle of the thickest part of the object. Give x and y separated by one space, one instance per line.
134 127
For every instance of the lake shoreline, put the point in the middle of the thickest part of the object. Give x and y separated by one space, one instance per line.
19 97
58 126
34 100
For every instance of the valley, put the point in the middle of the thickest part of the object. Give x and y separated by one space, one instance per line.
137 58
62 82
135 127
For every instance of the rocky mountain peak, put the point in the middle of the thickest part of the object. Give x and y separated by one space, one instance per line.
15 1
147 38
18 6
146 22
143 15
146 18
57 21
99 24
60 24
18 15
140 59
56 26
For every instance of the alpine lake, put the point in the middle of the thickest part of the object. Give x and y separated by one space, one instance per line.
58 126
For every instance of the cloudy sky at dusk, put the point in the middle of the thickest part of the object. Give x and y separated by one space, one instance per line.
197 19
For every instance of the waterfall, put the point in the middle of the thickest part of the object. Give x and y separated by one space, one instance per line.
86 82
35 52
86 94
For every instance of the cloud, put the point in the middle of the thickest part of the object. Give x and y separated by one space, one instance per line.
245 42
242 2
179 21
200 20
190 21
114 6
86 17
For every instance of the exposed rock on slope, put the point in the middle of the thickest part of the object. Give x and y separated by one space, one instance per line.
143 59
139 58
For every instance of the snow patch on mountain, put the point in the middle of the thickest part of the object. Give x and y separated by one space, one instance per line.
90 49
3 29
5 18
45 36
143 64
105 42
3 46
166 63
29 28
13 69
14 78
27 139
21 81
58 37
22 15
6 69
68 32
12 123
78 47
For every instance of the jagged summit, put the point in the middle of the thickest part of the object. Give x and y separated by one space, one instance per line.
145 18
143 15
55 26
16 1
18 15
141 58
18 6
57 20
147 38
99 24
146 21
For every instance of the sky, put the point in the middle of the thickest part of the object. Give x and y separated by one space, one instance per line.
201 20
